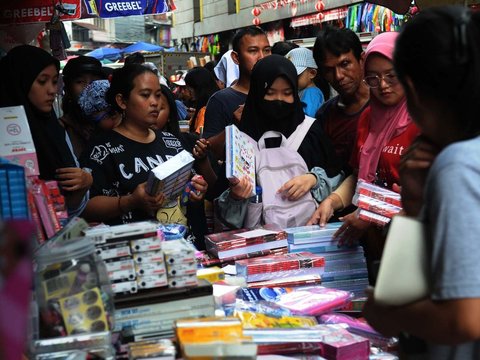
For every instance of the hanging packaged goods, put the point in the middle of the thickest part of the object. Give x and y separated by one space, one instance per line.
32 11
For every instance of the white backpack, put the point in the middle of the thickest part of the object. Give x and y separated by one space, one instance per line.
276 166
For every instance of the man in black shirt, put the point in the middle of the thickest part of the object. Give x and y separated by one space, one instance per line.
249 45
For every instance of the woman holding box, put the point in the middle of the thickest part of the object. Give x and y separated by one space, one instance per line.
122 158
385 130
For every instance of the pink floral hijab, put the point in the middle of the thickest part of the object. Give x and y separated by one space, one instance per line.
386 122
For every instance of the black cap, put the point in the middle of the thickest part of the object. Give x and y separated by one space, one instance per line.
82 65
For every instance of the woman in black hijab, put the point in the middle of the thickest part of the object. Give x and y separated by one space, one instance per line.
261 115
29 78
273 105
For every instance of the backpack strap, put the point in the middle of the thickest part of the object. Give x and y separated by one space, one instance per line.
295 140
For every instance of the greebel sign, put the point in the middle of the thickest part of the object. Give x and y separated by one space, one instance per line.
116 8
31 11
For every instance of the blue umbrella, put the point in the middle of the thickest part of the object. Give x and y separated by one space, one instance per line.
142 46
106 53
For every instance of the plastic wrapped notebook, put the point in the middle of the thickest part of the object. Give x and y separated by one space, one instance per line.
311 300
171 176
239 155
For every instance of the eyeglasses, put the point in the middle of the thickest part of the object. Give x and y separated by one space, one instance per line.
374 81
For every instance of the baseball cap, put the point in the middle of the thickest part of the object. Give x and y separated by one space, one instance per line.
302 58
92 98
82 65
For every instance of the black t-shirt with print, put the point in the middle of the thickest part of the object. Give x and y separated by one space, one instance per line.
120 164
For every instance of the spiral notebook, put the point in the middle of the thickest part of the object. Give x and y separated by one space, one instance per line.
402 277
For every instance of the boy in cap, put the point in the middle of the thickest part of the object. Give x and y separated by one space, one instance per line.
310 95
77 74
95 108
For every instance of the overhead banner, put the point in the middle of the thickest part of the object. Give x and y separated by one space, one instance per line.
32 11
329 15
117 8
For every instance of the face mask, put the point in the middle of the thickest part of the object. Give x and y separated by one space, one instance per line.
277 114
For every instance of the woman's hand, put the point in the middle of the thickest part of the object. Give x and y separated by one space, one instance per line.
323 213
200 149
241 190
73 179
297 187
200 187
140 199
414 167
352 229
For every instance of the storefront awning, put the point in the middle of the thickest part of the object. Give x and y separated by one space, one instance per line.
87 26
33 11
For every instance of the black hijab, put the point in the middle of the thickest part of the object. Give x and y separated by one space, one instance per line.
254 120
18 70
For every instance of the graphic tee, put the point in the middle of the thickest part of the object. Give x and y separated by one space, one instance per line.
120 164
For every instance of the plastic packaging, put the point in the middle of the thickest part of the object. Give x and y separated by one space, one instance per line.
257 198
173 231
72 289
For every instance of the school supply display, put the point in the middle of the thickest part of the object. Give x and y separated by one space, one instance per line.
376 204
243 243
358 327
171 176
132 254
312 233
13 192
72 291
345 267
253 320
239 155
152 349
402 277
329 341
214 338
16 143
98 343
289 281
311 300
278 266
153 312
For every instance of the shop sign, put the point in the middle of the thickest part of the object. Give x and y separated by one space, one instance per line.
334 14
32 11
116 8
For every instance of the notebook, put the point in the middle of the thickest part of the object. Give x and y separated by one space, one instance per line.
402 277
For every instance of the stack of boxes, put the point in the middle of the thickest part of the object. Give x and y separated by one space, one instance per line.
376 204
13 197
132 254
345 267
180 263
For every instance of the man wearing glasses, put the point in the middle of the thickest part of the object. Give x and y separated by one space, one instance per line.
339 56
